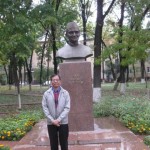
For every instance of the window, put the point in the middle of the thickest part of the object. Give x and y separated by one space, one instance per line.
148 69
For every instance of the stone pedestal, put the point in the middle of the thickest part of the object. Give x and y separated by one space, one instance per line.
76 78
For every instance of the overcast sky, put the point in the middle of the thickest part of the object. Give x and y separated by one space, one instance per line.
36 2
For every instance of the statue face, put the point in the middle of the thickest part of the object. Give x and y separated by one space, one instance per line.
73 34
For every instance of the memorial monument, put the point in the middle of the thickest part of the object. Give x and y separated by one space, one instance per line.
76 77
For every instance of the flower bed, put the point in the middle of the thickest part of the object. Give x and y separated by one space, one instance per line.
15 127
133 112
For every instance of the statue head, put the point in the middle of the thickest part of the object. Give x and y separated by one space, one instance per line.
72 33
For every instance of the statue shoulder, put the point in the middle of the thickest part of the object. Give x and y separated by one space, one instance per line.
85 48
61 51
79 51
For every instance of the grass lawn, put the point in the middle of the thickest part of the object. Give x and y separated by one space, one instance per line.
29 99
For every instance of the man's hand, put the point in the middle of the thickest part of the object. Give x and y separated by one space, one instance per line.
56 123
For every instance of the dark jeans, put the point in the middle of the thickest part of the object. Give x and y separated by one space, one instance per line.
58 135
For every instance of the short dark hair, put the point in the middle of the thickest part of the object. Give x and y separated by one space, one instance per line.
54 76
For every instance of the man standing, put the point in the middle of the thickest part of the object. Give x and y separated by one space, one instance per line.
56 106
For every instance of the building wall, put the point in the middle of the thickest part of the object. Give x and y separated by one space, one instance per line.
36 61
138 70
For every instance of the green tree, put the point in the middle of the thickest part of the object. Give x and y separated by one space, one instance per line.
133 40
16 38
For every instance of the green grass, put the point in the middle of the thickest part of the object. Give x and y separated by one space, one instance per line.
132 88
10 96
130 85
36 89
13 99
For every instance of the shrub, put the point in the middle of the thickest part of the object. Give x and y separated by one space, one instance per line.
147 140
133 112
102 109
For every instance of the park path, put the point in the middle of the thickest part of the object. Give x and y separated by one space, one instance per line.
108 134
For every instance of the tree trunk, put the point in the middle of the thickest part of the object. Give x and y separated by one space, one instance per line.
112 69
54 48
127 75
134 73
48 60
116 86
84 20
30 68
6 73
20 74
29 73
24 69
97 44
16 79
42 58
103 76
142 71
10 80
121 77
97 51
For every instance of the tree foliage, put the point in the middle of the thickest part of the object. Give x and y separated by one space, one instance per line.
135 39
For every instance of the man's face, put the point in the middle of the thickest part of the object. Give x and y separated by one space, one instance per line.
73 34
56 82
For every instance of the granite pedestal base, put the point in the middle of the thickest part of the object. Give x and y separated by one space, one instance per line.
76 78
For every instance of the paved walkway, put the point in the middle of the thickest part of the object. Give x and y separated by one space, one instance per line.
109 134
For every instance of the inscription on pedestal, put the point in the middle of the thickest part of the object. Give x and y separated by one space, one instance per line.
76 79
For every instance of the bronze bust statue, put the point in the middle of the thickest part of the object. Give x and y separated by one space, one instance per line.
73 51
